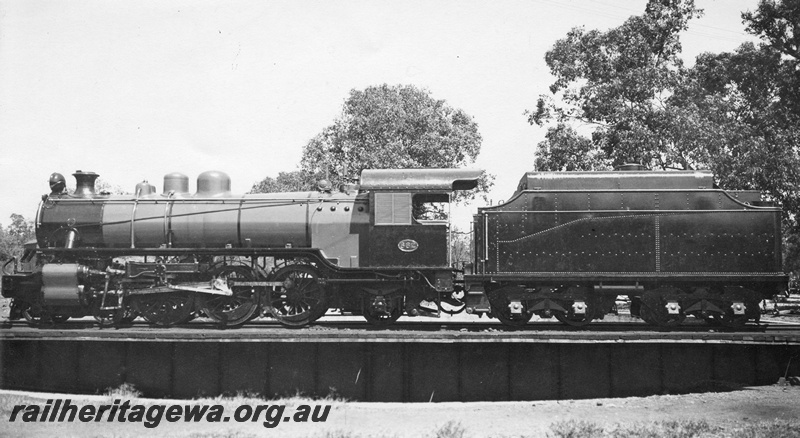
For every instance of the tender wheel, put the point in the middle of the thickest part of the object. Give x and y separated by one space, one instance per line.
732 321
503 313
165 310
382 310
656 306
502 300
661 317
574 319
235 309
301 300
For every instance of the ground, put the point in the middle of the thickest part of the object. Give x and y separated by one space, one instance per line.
722 412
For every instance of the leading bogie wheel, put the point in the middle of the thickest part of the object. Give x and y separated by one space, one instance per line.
33 317
300 299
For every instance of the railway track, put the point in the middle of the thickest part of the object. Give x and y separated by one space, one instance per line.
355 328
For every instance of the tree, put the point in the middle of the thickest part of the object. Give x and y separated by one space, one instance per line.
293 181
755 135
393 127
460 247
103 186
618 83
735 113
755 93
14 237
384 127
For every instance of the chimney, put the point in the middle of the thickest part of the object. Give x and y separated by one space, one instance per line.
84 184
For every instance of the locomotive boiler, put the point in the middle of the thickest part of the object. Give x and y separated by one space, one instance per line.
566 245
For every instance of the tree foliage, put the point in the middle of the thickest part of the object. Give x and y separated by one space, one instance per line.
617 83
625 96
14 236
382 127
293 181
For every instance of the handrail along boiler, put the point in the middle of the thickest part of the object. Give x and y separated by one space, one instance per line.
565 245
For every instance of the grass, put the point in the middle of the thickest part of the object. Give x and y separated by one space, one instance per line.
451 429
676 429
124 391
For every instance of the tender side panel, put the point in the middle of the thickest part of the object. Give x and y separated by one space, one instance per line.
578 243
719 242
628 232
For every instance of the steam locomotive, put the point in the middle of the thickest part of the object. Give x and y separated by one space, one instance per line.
565 245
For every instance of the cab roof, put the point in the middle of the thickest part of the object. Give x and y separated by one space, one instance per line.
420 179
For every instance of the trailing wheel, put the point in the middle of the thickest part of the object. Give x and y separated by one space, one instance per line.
301 298
237 308
382 310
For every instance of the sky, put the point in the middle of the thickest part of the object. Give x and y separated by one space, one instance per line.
133 90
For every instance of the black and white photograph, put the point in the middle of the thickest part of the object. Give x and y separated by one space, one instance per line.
406 218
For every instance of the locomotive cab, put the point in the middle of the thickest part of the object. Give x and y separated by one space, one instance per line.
409 215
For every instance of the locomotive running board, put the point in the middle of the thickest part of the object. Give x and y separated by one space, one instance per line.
172 288
204 290
258 283
201 290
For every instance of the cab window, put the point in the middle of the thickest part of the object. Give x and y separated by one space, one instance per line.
431 208
407 209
